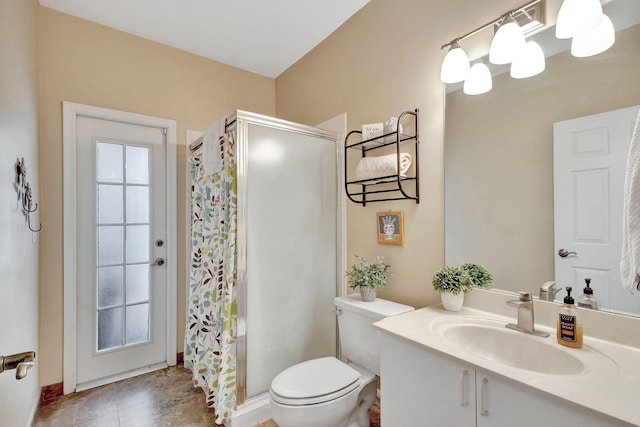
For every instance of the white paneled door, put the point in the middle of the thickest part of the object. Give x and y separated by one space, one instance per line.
121 250
590 157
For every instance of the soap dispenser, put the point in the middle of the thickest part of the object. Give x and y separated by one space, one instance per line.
569 326
587 300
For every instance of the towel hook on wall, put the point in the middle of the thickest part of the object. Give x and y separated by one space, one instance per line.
26 194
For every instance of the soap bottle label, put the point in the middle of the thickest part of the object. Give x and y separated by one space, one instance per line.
568 328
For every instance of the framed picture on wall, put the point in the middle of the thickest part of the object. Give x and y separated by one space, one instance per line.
390 228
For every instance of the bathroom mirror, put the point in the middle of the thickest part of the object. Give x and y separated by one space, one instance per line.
498 153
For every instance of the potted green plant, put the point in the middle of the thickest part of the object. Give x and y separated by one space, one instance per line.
480 277
452 283
368 277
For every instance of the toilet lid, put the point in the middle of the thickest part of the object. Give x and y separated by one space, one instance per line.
313 379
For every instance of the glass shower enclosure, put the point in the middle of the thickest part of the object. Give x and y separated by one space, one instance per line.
289 248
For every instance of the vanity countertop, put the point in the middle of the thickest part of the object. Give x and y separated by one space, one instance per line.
612 388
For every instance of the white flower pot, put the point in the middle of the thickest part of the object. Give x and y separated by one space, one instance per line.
452 302
367 293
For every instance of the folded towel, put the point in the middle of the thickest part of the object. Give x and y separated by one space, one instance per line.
391 125
376 167
630 259
211 154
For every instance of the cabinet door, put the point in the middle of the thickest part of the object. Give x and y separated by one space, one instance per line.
421 388
505 403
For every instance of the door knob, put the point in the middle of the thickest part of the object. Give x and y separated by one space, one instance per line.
159 262
565 253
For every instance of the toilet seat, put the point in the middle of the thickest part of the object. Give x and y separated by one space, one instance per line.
314 381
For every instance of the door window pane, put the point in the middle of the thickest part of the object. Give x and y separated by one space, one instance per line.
109 164
110 323
137 283
123 274
110 204
110 241
137 243
137 204
137 165
110 286
137 323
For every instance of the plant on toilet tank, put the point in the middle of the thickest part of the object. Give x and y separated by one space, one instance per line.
453 282
368 276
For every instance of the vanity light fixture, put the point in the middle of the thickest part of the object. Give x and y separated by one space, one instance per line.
528 62
577 17
507 42
455 66
595 41
591 30
479 80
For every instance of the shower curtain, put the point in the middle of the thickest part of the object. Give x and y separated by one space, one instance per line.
210 338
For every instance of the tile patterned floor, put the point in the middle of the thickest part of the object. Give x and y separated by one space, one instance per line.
161 398
164 398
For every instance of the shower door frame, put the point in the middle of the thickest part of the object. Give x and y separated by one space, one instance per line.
241 121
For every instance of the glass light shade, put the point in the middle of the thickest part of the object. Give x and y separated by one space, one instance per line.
595 41
578 17
455 66
528 62
479 80
508 40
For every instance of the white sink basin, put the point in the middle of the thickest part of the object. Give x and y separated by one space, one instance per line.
490 340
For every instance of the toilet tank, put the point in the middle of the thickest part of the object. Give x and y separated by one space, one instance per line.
358 338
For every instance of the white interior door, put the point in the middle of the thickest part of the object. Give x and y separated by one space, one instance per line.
121 234
589 162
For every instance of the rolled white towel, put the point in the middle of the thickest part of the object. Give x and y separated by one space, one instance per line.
377 167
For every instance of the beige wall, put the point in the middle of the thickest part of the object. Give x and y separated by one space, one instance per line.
90 64
382 61
18 246
499 158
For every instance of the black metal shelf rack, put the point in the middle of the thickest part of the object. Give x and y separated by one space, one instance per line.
396 186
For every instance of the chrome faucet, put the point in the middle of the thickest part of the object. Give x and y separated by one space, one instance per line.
548 291
21 362
526 322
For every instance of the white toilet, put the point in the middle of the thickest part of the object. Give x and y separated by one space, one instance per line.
326 392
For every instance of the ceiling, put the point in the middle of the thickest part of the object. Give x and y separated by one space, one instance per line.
261 36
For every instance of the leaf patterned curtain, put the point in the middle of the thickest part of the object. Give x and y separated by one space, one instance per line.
210 339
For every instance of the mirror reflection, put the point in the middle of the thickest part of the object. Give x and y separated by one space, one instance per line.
499 170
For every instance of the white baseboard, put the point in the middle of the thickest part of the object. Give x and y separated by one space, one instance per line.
252 412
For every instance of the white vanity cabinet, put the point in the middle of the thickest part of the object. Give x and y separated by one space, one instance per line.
422 387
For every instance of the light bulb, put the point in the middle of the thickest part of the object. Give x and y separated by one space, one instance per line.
508 40
577 17
479 80
595 41
455 65
528 62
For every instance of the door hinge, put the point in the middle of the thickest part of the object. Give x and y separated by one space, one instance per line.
164 131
